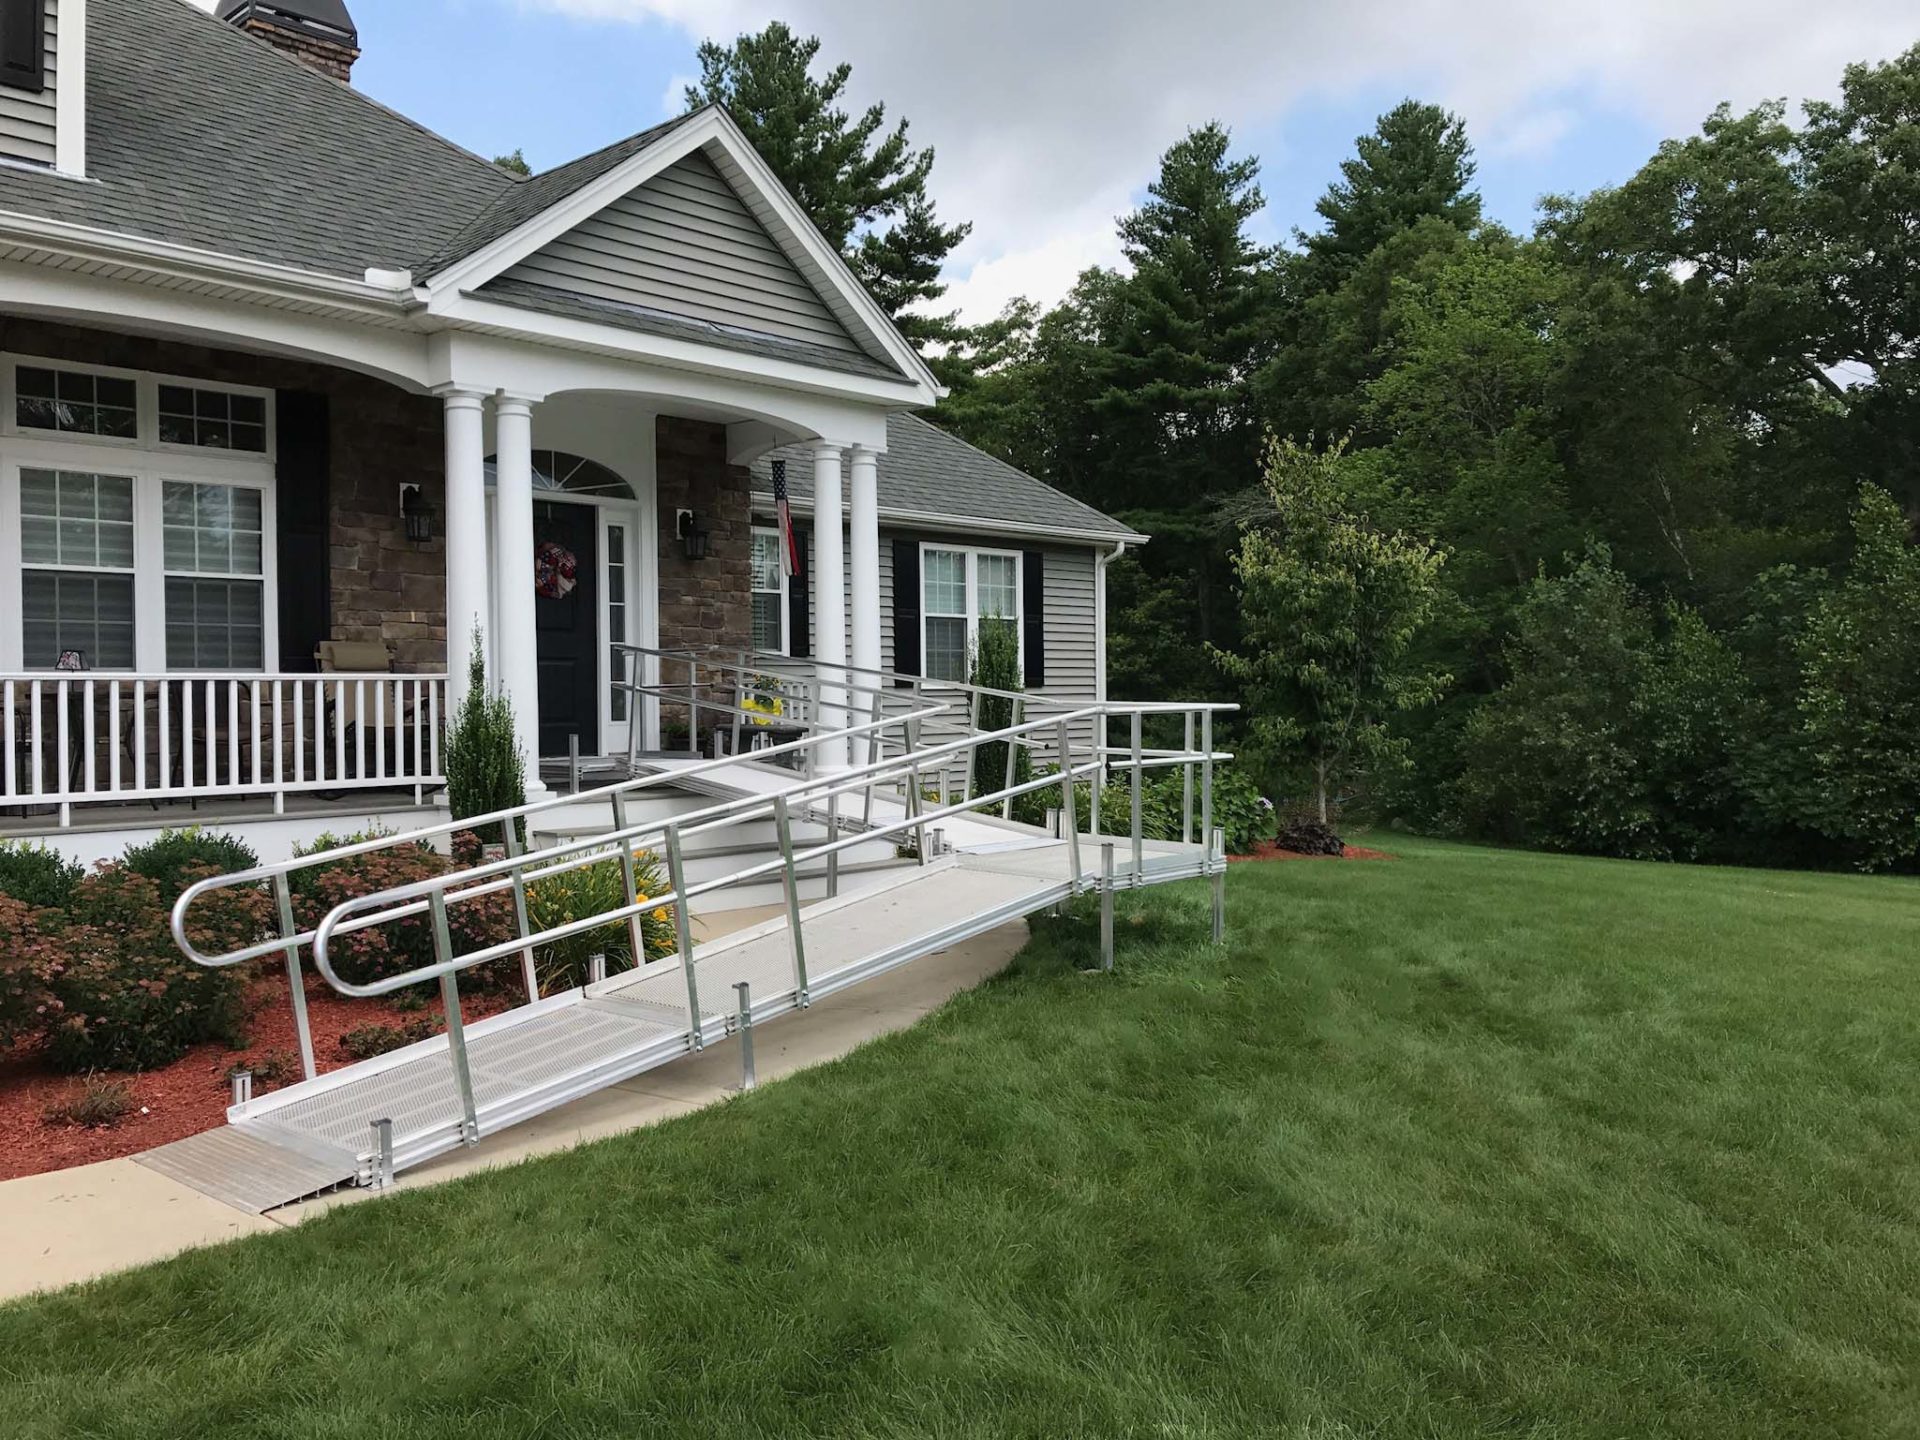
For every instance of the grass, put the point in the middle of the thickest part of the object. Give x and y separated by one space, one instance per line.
1472 1143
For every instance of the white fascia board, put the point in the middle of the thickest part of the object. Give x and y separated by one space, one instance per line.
983 525
396 354
164 259
712 126
476 310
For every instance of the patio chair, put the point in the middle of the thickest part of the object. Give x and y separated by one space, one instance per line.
384 721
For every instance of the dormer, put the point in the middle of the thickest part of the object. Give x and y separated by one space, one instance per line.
43 84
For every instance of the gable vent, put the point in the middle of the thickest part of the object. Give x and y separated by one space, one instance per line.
317 33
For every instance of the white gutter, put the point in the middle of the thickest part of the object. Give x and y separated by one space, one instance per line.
981 525
1100 563
287 282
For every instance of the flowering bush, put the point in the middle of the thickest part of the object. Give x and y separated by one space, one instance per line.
25 1003
397 946
593 890
123 997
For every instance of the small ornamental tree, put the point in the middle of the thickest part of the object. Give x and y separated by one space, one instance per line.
1859 702
485 769
1330 608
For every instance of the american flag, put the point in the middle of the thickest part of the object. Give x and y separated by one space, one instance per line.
783 514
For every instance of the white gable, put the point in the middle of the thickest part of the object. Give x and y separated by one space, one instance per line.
684 243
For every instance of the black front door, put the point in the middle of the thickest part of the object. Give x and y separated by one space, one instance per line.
567 626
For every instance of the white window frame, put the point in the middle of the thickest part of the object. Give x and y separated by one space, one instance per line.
146 395
786 580
972 555
150 464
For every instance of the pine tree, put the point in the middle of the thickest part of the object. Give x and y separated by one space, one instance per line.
850 175
1416 163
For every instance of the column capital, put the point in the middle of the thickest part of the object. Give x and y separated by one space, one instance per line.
459 397
866 452
512 402
829 449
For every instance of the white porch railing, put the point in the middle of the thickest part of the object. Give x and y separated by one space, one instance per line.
73 740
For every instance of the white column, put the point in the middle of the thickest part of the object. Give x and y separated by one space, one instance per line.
863 539
519 677
829 598
466 530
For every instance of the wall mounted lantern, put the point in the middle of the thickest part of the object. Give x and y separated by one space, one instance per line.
693 535
418 514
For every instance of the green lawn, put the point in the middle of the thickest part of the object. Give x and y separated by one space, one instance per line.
1469 1143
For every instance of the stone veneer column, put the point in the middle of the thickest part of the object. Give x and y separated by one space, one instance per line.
829 600
466 536
518 647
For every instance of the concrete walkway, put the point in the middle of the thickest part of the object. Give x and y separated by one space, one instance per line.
73 1225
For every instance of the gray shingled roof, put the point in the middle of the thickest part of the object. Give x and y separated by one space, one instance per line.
200 135
927 472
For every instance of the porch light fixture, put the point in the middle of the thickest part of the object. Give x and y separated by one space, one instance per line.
418 514
693 535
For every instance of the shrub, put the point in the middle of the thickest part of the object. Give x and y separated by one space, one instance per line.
996 666
590 890
363 956
128 1000
168 860
1310 837
95 1103
367 1041
276 1067
485 769
26 1005
38 875
1238 808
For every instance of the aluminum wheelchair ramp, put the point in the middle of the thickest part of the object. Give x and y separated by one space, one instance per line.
318 1134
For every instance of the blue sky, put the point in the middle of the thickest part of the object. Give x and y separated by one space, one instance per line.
1049 119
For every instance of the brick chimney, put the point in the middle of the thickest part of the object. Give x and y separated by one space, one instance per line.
317 33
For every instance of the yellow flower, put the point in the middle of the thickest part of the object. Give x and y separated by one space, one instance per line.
640 899
661 916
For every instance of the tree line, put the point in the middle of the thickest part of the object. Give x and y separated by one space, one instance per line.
1598 537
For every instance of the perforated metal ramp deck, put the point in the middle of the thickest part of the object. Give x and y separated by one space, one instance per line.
316 1135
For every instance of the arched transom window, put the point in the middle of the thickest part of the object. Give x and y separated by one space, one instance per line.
573 474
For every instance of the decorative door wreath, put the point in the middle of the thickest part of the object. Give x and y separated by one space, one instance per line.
554 570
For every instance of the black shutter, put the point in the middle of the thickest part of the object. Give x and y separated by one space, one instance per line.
1033 610
799 609
302 467
906 607
23 57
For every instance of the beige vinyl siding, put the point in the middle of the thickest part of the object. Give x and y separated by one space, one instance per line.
26 118
683 243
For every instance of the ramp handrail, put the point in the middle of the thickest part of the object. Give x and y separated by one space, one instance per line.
435 896
496 876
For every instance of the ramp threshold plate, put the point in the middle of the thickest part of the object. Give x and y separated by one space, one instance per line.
245 1171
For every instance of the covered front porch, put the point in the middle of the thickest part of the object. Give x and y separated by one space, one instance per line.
273 638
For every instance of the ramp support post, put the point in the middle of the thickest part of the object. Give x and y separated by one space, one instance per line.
456 1028
833 835
1106 905
1139 773
382 1154
1217 858
783 825
683 928
636 932
747 1078
510 842
283 897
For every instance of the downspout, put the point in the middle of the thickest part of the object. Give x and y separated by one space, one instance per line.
1100 563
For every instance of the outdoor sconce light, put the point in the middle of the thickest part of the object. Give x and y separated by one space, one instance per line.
693 537
418 514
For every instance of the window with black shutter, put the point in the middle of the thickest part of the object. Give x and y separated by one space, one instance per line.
23 51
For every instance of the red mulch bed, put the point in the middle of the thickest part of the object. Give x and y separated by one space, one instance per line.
191 1094
1267 850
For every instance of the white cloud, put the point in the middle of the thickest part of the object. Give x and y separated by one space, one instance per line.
1047 114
